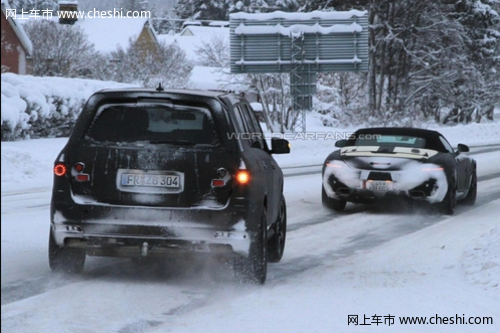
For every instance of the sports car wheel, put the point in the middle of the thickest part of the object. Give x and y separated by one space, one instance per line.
277 241
470 199
337 205
448 204
63 259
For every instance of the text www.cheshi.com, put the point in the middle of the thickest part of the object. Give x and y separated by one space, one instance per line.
417 320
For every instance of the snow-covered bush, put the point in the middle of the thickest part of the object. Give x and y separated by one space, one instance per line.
43 106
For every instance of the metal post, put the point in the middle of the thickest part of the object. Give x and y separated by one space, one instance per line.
297 80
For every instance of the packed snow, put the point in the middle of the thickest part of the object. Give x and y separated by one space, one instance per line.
449 268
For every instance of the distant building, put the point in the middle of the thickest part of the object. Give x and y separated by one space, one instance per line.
68 6
204 31
16 46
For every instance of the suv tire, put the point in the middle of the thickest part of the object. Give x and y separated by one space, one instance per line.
277 241
253 268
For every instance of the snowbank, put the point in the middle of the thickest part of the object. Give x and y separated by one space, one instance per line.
481 262
30 104
28 164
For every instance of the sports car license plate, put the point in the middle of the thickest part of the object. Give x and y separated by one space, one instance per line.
378 185
136 179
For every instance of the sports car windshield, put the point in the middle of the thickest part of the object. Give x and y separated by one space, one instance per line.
390 140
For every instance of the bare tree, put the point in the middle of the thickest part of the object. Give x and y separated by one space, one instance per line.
215 52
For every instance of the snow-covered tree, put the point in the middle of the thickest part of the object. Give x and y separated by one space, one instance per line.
215 52
28 5
428 56
147 66
60 50
220 9
131 5
335 5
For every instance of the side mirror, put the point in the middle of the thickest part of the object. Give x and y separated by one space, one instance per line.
280 146
340 143
463 148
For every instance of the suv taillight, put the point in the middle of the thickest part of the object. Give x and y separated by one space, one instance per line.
60 169
78 173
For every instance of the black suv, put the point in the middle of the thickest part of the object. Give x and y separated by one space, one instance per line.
155 172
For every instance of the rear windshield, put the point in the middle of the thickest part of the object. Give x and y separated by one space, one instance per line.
390 140
153 124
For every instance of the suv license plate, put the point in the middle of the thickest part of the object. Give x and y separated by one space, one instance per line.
136 179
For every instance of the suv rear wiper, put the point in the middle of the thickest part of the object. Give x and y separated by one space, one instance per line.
173 142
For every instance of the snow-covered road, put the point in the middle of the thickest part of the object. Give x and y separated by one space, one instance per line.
366 261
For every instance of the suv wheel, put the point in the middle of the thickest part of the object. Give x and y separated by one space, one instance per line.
63 259
277 242
254 267
337 205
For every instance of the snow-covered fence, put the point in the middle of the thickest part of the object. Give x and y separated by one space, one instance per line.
39 107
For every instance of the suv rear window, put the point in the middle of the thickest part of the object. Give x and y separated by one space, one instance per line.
154 124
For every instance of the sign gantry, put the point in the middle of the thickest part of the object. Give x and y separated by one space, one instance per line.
302 44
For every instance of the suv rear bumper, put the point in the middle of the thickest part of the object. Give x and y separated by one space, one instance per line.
135 231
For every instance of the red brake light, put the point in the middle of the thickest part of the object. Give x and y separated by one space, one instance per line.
79 167
83 177
218 182
60 170
243 177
